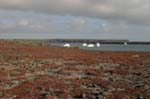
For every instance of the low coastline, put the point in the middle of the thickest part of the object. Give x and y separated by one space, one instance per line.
30 71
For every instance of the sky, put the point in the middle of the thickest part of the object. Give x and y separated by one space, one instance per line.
75 19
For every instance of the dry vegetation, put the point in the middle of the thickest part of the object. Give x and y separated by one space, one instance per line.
44 72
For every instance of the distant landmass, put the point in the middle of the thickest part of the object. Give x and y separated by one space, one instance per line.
94 41
105 41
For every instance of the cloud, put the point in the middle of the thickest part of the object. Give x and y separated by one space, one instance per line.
76 18
78 24
23 22
135 10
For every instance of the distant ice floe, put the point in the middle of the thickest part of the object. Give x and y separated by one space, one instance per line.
90 45
125 43
84 44
98 44
67 45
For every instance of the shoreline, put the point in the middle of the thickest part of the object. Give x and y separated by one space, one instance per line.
33 71
102 41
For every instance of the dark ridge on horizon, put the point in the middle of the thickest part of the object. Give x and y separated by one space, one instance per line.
102 41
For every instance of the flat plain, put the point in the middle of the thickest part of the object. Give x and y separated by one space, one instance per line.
32 71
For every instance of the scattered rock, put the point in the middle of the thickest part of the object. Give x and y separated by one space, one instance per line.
1 93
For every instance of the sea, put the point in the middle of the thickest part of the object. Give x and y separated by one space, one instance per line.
110 47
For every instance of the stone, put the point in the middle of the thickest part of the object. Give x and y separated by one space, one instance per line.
1 93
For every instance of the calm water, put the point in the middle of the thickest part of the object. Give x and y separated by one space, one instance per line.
111 47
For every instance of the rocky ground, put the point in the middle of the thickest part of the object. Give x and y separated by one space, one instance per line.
44 72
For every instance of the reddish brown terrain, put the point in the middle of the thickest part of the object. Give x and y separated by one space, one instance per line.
44 72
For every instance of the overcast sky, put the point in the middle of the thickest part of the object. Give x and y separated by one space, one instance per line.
93 19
